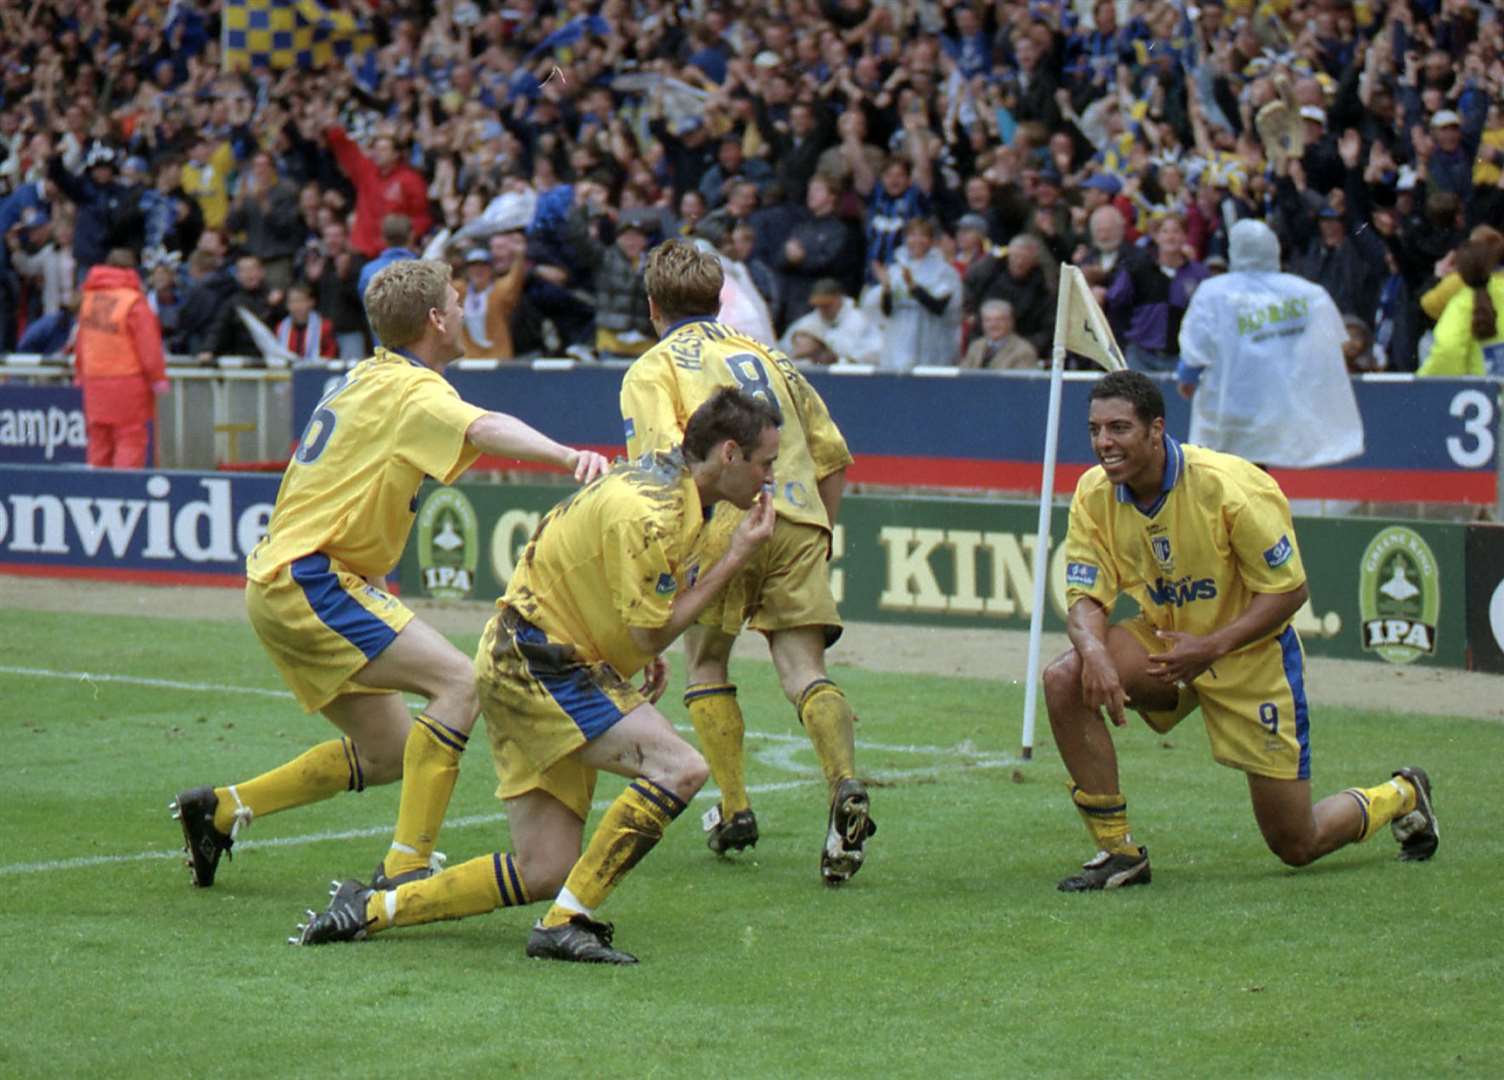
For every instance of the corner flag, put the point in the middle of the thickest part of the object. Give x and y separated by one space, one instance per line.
1086 331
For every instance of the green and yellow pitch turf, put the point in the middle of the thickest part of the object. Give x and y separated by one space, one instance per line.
950 954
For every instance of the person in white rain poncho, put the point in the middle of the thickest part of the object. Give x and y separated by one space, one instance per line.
1261 361
917 301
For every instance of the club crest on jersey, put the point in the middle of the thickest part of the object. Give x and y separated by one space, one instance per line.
666 584
1160 545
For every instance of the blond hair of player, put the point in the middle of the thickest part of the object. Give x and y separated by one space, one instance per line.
785 592
611 577
1205 544
345 646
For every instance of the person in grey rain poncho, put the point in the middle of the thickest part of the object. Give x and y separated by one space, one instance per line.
917 302
1261 361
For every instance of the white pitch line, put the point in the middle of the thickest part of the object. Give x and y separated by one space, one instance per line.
971 759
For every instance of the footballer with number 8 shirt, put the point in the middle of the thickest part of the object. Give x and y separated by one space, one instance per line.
345 646
1204 542
785 591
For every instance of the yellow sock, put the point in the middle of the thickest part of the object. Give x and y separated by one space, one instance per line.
717 719
327 769
1380 805
430 766
830 725
631 826
472 888
1106 818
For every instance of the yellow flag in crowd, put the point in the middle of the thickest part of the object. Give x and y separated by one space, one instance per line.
281 34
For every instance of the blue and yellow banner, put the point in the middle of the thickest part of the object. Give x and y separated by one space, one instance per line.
281 34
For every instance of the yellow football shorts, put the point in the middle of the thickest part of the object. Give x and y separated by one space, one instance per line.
1253 703
322 624
786 584
541 703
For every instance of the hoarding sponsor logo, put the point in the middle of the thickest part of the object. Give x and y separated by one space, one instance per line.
1399 596
448 545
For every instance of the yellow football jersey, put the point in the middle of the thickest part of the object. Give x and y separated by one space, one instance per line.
351 489
612 556
696 357
1219 532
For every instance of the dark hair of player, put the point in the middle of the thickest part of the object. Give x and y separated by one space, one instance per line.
1134 387
729 413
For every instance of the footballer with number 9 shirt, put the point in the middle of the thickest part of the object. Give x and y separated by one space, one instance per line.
1204 542
345 646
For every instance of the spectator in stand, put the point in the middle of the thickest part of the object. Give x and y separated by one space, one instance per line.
918 299
1017 278
731 168
491 295
818 247
173 218
902 195
120 363
384 186
397 243
834 331
303 331
613 253
1149 295
1470 333
108 215
266 211
229 336
206 176
999 348
739 207
41 251
206 287
334 268
166 298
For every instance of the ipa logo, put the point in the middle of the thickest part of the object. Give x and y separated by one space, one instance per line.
1399 596
448 545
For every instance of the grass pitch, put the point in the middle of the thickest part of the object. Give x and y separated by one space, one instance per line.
950 954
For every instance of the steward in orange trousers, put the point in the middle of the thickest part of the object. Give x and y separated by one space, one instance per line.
120 362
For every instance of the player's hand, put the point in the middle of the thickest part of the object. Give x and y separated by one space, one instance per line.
1187 390
587 465
1101 689
1187 657
654 679
755 527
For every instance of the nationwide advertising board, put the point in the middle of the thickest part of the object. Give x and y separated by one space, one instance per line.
1427 440
115 524
1392 592
1379 590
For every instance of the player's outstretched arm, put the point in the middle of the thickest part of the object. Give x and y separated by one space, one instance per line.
1101 688
750 534
507 436
1190 654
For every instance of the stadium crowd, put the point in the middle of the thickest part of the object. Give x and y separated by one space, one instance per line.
885 181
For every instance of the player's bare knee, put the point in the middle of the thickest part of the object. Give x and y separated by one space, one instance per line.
1293 850
543 868
380 762
1062 680
682 771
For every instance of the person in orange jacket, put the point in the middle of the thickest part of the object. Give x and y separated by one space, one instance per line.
120 364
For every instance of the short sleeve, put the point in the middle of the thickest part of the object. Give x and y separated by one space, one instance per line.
1090 568
431 430
640 574
1263 540
827 446
650 408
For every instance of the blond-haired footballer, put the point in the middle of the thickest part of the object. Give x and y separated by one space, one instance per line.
345 646
1204 542
785 591
611 577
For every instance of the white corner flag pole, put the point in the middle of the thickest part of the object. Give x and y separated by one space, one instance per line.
1083 329
1046 503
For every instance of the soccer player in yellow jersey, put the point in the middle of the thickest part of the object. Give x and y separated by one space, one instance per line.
345 646
785 591
1204 542
610 578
